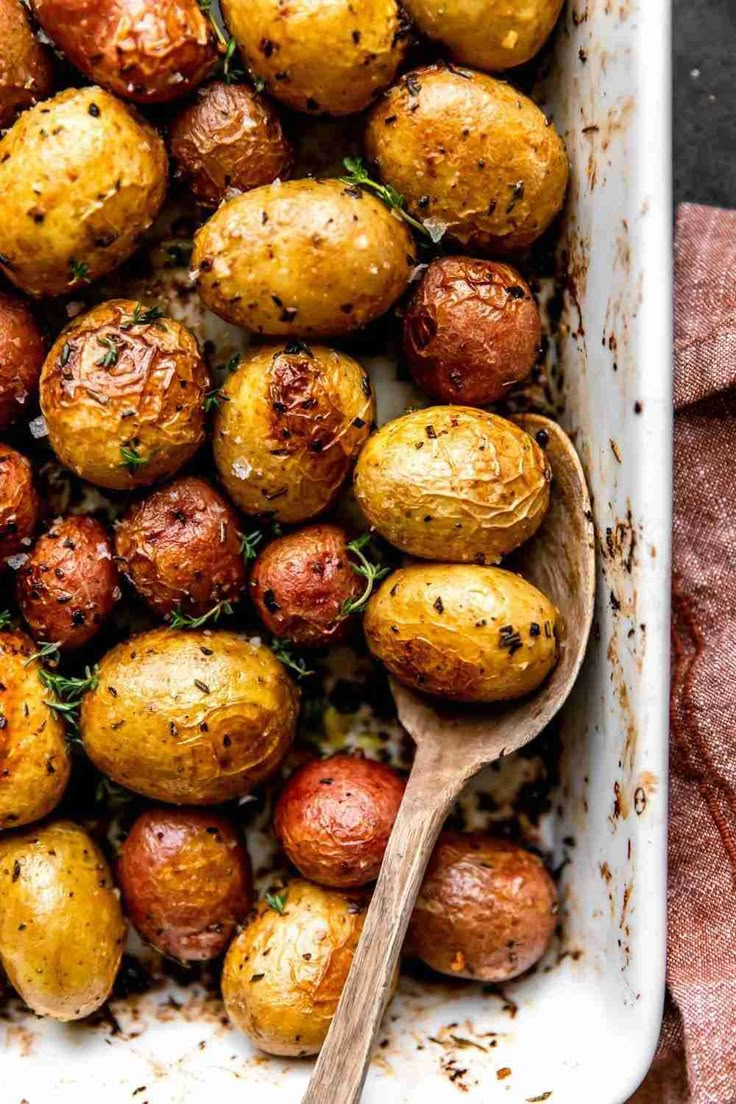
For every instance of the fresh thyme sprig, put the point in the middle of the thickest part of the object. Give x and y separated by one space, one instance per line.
79 270
213 398
6 619
142 316
282 650
249 544
68 693
277 902
180 620
371 572
110 357
131 457
46 650
359 177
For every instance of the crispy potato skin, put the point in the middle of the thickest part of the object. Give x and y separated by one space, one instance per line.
81 178
26 68
61 928
68 586
488 34
283 975
455 482
463 632
20 506
305 258
150 51
34 761
300 582
470 331
151 398
332 57
180 548
189 717
228 140
334 817
186 881
22 352
472 154
487 909
290 429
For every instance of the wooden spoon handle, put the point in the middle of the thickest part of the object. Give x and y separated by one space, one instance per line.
343 1061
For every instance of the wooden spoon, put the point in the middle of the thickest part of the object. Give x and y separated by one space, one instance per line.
452 746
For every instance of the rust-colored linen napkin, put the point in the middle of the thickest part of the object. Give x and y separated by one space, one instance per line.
696 1059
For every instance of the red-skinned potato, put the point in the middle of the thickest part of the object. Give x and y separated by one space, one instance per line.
22 352
186 881
26 68
20 506
334 817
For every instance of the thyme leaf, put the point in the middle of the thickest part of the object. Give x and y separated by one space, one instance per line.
277 902
370 571
359 177
180 620
282 650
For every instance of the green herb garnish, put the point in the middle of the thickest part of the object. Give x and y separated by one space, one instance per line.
79 270
6 619
282 650
142 316
371 572
249 544
109 358
277 901
180 620
131 457
46 650
359 177
68 693
213 399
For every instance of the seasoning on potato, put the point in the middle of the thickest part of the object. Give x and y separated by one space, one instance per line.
334 818
22 352
180 548
122 392
453 483
284 973
309 258
20 506
487 909
228 140
470 331
81 178
150 51
26 67
330 58
463 632
189 717
472 155
61 928
294 419
185 876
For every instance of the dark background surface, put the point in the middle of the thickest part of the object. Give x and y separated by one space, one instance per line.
704 118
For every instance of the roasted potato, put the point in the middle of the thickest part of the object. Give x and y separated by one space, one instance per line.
453 483
61 928
334 817
488 34
26 67
284 973
180 548
186 881
463 632
308 257
487 909
20 506
81 178
189 717
34 761
68 586
472 155
332 57
293 421
228 140
150 51
122 392
470 331
22 352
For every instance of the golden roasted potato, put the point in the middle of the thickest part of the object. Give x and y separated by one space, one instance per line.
34 761
228 140
332 57
307 257
122 392
487 908
20 506
470 331
22 352
26 67
150 51
453 482
186 881
81 178
293 421
463 632
61 928
488 34
189 717
284 973
472 155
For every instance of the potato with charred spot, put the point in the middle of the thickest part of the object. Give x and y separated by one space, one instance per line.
22 353
189 717
61 928
81 178
472 155
453 482
463 632
20 506
122 392
309 258
26 67
180 548
487 909
186 881
293 421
